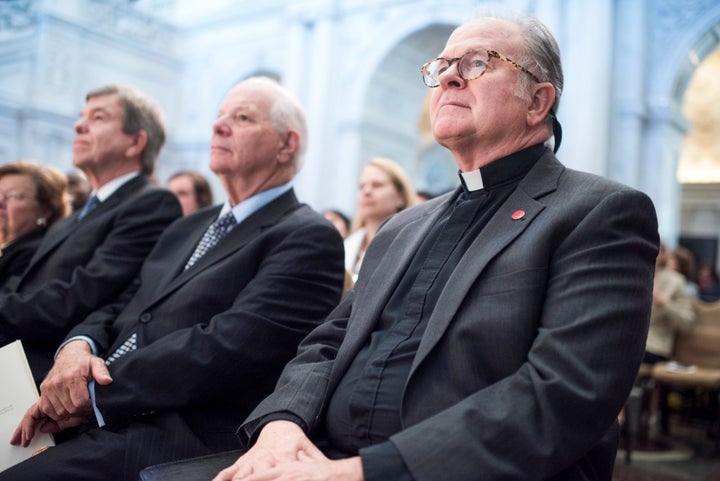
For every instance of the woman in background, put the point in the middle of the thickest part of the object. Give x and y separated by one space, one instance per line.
339 220
32 198
384 189
192 190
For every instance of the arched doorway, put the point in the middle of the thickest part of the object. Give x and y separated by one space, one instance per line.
394 121
699 161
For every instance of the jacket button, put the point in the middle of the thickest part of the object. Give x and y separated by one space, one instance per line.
145 317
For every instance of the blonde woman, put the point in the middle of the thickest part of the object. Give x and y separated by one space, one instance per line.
384 189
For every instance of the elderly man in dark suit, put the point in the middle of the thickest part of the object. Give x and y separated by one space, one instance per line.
222 303
494 332
86 259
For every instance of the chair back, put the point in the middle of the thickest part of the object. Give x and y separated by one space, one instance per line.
701 345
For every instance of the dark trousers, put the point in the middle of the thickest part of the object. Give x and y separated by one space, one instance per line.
202 468
100 454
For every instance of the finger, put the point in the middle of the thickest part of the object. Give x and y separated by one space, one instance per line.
226 474
69 423
16 437
28 424
77 398
28 431
53 406
312 452
99 371
303 456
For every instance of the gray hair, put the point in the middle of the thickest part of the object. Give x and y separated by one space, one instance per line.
286 113
541 54
139 113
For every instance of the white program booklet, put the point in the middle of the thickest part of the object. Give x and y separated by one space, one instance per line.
17 394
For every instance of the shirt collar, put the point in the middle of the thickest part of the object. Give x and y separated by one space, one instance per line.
249 206
109 188
502 170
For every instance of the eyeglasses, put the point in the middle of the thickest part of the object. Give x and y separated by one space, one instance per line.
13 196
470 66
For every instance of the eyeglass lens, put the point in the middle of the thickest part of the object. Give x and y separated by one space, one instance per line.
12 196
471 66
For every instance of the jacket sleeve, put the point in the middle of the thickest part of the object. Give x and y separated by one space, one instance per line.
45 315
239 352
303 383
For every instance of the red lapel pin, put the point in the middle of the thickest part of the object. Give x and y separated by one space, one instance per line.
518 214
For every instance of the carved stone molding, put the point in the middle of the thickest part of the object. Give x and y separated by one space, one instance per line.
16 16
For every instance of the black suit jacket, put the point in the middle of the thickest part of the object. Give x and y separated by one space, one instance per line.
213 339
82 265
16 257
531 349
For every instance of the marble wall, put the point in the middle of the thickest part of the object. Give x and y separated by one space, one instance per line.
355 66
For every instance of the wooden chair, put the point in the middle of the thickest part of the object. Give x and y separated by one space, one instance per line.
696 359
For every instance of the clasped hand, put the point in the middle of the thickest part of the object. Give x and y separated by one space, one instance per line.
283 452
64 397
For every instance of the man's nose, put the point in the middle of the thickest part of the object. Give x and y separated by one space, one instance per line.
80 126
451 76
220 127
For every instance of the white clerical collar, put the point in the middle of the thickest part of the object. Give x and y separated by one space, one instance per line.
472 180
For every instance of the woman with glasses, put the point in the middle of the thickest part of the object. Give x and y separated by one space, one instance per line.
32 197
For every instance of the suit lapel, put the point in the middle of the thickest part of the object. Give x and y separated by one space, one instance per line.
187 246
246 231
64 227
377 289
500 231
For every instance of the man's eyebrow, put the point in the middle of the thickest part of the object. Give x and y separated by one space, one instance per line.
95 110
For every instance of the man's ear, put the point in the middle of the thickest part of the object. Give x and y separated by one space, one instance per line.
290 147
137 147
543 98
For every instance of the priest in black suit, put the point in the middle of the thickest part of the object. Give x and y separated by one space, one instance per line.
222 303
86 259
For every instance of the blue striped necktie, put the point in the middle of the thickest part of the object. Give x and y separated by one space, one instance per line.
89 206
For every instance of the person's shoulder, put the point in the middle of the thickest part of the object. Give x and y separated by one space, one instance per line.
424 208
301 218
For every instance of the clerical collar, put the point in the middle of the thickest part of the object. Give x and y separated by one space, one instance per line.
500 171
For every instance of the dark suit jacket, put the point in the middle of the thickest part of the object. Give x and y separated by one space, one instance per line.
16 257
532 347
82 265
212 340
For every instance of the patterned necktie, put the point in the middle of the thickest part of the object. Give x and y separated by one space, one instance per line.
129 345
89 205
212 236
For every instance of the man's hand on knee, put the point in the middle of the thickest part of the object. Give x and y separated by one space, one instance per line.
64 392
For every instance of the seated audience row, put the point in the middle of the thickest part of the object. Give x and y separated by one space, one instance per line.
219 308
506 303
493 332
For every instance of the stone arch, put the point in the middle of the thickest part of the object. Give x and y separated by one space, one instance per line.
393 113
678 204
402 47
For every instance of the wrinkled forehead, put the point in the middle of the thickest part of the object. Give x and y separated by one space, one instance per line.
489 33
248 96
